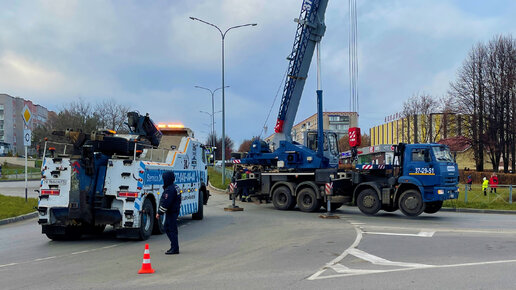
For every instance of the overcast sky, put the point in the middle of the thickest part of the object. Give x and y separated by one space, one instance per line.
150 55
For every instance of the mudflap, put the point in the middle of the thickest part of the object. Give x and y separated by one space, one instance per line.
107 216
206 197
132 234
53 229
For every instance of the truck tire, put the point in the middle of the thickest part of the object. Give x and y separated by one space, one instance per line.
368 202
411 203
159 225
147 218
199 215
282 198
307 200
433 207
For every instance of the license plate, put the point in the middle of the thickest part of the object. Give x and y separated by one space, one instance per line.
451 168
55 181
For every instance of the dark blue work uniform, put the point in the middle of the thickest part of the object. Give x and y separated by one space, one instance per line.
170 203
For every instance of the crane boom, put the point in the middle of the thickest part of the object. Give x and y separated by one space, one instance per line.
310 30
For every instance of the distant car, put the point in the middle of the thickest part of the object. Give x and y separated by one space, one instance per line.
218 163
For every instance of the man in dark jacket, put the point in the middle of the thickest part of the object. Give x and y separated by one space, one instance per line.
170 203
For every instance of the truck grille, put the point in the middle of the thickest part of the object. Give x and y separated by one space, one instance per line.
450 180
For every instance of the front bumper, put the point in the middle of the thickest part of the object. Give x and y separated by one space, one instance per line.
442 193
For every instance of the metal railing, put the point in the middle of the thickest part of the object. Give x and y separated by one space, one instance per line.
500 193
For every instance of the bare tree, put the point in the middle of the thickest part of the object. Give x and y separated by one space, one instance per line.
485 90
111 115
420 109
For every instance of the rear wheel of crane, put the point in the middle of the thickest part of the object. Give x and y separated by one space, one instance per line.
307 200
411 203
368 202
146 220
199 215
282 198
433 207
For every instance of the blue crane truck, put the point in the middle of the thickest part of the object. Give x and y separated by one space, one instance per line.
307 175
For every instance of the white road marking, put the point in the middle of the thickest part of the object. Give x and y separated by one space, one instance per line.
62 256
43 259
81 252
364 272
352 250
381 261
420 234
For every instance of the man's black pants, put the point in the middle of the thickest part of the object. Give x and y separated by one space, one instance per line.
171 230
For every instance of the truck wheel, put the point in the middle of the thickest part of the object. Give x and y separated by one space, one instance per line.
368 202
147 218
411 203
199 215
307 200
159 225
433 207
282 198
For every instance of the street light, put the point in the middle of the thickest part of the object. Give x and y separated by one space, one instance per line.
223 35
212 92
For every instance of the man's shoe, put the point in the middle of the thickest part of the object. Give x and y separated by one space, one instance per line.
171 252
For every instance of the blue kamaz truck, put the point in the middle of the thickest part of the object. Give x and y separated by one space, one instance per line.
418 180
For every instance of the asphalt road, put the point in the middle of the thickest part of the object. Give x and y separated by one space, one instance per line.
262 248
17 188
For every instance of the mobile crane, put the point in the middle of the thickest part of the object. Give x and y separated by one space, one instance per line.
307 175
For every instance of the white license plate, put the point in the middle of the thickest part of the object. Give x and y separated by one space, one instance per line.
55 181
451 168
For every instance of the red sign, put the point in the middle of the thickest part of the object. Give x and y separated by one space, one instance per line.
354 136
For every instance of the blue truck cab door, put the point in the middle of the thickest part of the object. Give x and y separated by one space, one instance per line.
419 164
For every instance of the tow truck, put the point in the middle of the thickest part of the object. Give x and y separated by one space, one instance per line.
104 178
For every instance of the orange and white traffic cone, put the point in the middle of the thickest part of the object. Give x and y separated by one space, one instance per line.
146 265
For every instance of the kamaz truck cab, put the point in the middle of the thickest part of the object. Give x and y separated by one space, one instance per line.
427 170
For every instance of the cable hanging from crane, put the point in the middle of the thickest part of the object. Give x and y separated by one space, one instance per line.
353 57
263 131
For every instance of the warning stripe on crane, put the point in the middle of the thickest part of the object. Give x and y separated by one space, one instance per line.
367 166
328 188
236 161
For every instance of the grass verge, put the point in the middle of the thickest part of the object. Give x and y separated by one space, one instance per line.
216 179
476 198
11 206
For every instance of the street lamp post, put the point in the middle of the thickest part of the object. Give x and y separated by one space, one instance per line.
212 92
223 35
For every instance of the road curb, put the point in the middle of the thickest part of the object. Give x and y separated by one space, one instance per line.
474 210
218 190
19 218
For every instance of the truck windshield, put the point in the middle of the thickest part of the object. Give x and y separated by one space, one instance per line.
442 154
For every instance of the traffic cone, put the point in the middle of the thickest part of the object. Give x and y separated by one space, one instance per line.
146 265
